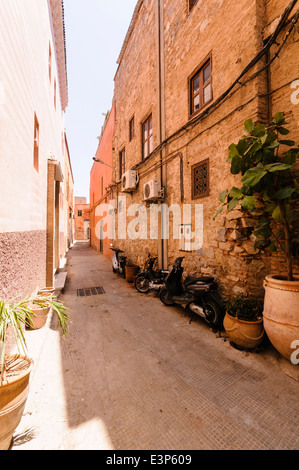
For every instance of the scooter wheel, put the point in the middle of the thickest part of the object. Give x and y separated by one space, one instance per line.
165 298
214 313
142 284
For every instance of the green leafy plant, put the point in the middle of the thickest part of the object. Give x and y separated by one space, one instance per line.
18 315
266 161
243 308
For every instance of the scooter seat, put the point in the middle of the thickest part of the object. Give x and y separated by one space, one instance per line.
193 280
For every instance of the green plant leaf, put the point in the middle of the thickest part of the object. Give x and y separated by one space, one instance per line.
289 143
232 204
276 214
285 193
223 196
278 167
236 165
249 203
270 207
249 126
283 131
253 176
242 146
253 148
273 145
279 118
290 156
218 212
236 193
233 151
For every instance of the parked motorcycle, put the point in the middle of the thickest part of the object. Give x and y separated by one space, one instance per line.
119 262
151 279
198 293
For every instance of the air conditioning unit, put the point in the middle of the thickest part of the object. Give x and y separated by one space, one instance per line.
129 181
152 190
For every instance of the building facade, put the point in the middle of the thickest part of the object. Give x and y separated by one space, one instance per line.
82 219
102 186
184 87
33 100
69 200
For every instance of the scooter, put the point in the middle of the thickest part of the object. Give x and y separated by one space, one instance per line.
151 279
119 262
199 294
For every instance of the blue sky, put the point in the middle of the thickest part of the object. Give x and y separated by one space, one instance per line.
95 31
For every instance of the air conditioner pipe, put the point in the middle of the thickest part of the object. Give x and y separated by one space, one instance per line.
161 134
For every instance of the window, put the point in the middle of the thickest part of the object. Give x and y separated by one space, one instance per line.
80 213
191 4
201 87
147 137
200 180
132 129
36 144
50 63
122 162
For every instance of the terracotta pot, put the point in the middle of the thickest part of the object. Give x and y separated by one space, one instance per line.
13 396
281 313
246 334
131 272
47 291
39 319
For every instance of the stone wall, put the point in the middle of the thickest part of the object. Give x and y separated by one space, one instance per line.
227 250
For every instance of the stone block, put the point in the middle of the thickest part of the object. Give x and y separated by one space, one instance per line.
221 234
235 235
248 223
249 248
234 215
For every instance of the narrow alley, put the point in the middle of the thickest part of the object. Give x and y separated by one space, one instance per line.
133 374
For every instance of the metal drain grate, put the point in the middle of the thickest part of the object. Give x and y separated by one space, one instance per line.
90 291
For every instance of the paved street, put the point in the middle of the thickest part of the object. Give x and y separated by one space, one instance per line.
134 375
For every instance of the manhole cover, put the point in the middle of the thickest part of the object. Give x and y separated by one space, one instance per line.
90 291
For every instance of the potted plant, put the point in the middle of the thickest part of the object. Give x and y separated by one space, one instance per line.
270 191
39 307
243 321
15 369
46 291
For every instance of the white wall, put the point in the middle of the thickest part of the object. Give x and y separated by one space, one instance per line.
25 89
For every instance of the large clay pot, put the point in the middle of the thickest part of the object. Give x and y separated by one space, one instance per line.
131 272
13 396
281 313
39 319
245 334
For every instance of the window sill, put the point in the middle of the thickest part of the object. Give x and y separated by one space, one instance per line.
192 116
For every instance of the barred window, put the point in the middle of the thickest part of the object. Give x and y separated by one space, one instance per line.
200 180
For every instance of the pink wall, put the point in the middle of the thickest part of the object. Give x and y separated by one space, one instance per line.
101 176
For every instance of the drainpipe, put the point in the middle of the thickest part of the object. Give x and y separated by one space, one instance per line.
161 133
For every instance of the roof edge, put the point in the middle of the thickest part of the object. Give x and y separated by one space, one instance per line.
130 30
